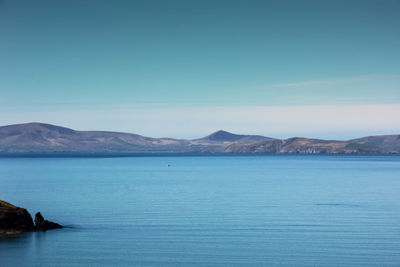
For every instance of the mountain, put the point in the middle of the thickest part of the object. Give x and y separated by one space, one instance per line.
383 141
299 145
41 137
223 136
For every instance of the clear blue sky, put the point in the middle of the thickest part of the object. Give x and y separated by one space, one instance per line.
104 58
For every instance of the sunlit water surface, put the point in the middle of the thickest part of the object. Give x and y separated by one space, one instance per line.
206 210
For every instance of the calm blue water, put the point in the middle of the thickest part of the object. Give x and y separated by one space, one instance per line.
206 211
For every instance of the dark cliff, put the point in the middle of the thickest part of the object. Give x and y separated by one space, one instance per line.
16 220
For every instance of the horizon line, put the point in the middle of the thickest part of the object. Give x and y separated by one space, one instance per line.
191 139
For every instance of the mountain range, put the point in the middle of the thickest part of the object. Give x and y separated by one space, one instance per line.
47 138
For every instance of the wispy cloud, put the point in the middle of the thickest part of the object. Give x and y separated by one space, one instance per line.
306 83
340 81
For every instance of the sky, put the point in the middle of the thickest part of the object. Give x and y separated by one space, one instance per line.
325 69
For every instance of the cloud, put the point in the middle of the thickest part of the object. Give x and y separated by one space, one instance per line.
306 83
354 80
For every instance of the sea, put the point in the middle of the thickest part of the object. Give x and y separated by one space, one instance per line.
205 210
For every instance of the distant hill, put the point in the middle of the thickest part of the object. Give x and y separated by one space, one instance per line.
298 145
384 141
224 136
41 137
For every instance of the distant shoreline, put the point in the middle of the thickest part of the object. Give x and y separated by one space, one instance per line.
168 154
45 139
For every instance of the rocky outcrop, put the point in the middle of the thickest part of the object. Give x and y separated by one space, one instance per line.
15 220
43 225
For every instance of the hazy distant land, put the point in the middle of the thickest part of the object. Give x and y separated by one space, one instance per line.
46 138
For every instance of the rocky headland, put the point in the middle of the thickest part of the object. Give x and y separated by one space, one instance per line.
16 220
